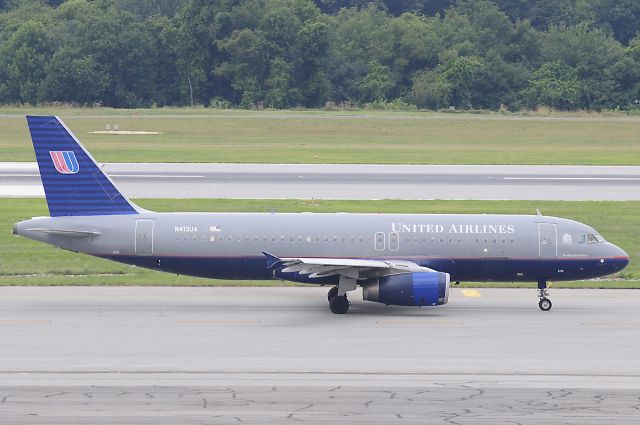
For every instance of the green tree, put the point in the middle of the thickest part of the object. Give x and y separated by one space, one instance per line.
627 75
375 85
23 62
75 78
593 54
358 37
311 76
430 90
554 85
621 17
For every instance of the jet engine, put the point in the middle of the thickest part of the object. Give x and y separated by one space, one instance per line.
421 289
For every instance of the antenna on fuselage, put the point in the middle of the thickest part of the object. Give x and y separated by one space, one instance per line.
538 212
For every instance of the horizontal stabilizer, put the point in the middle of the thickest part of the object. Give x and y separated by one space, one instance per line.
65 232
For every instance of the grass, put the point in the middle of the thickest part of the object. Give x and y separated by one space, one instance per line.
26 262
378 137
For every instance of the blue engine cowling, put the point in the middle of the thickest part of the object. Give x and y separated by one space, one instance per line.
421 289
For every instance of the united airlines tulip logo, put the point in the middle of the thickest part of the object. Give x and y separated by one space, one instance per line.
65 162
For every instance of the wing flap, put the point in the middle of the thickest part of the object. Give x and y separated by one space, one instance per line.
353 268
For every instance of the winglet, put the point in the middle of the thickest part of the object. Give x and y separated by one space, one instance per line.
272 260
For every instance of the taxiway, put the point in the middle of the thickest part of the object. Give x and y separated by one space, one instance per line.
152 355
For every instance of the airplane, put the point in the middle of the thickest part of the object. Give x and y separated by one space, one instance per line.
397 259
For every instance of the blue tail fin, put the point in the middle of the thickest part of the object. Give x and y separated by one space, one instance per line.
73 183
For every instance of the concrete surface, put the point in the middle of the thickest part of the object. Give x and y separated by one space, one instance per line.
152 355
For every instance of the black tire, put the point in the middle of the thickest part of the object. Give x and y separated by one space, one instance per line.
339 305
332 293
545 304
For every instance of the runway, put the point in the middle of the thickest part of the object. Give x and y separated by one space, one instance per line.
304 181
152 355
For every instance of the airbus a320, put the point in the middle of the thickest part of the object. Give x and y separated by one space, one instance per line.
397 259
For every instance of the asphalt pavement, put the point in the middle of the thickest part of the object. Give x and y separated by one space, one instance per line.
152 355
352 181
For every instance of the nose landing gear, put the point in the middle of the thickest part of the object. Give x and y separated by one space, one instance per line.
545 303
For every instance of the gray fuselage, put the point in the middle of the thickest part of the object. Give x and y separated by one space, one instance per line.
231 245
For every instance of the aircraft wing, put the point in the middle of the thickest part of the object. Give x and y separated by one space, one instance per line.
353 268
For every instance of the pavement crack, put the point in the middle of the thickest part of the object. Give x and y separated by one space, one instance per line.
55 394
5 398
368 403
291 416
308 406
87 395
479 393
451 419
150 395
561 393
335 388
204 403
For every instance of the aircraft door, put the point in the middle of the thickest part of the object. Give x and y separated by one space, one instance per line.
144 237
394 241
380 241
548 240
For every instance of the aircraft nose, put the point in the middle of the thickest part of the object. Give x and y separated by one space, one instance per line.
620 257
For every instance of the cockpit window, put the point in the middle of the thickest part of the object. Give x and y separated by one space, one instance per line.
594 238
590 238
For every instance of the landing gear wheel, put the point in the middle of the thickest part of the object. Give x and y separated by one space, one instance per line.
332 293
339 305
545 304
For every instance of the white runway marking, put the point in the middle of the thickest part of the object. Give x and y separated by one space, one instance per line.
157 176
575 178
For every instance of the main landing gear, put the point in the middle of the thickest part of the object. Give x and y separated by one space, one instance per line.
545 303
337 296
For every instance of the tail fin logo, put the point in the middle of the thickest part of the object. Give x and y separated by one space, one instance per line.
65 162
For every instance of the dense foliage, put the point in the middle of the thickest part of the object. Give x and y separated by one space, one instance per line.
564 54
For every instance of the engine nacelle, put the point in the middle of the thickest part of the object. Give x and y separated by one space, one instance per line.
421 289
